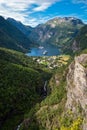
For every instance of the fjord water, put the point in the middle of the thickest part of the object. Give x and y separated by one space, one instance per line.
51 51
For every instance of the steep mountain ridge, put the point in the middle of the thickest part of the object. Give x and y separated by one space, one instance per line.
57 31
24 29
58 20
12 38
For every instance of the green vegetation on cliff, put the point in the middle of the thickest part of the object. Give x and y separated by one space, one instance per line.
78 44
81 38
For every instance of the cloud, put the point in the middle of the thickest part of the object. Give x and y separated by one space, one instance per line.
80 1
34 21
21 9
42 7
84 7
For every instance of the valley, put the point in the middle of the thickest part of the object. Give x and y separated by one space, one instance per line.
20 91
43 75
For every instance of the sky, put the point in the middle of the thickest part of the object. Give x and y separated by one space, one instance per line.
34 12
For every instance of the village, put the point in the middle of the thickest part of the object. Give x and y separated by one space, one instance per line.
52 62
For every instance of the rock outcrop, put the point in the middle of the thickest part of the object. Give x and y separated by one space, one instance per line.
75 46
77 88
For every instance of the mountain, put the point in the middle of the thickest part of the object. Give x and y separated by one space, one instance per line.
24 29
11 37
57 31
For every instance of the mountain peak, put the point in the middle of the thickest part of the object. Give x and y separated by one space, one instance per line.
57 31
1 17
60 20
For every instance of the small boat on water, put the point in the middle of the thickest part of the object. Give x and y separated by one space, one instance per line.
45 52
41 47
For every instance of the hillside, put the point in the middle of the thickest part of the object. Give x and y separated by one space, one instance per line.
80 38
12 38
22 81
58 31
24 29
79 43
21 86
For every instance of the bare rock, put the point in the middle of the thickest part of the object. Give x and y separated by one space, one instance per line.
77 87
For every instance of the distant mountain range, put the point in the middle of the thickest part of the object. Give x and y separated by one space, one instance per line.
58 31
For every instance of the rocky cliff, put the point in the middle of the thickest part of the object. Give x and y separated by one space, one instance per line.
77 88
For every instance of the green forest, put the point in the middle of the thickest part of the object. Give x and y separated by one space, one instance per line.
33 90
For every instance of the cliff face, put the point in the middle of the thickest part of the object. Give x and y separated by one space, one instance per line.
75 46
77 88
